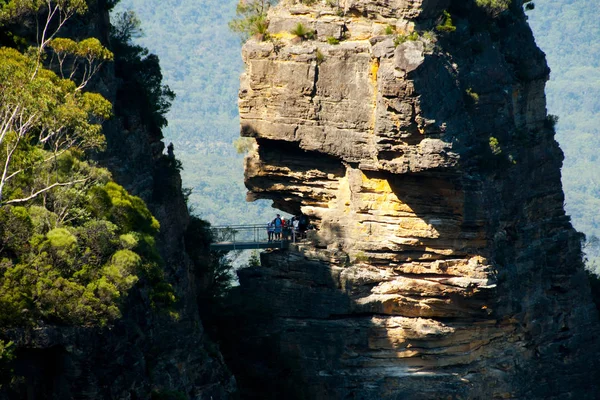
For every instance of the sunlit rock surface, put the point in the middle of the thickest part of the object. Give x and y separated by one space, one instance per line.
444 265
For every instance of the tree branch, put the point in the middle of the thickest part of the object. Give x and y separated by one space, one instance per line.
34 195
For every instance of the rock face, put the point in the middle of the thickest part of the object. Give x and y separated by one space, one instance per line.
444 265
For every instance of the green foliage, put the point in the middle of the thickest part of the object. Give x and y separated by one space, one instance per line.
17 9
302 32
126 26
495 146
332 40
243 145
389 30
493 7
251 18
472 96
62 260
79 60
78 274
45 121
446 25
320 57
399 39
214 267
551 121
112 202
74 243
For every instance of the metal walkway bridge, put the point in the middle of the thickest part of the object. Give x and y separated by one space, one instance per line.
246 237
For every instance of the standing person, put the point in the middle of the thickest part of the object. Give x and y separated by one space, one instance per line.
278 224
303 225
295 228
284 228
270 230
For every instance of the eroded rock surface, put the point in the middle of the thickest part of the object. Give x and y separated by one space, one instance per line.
444 265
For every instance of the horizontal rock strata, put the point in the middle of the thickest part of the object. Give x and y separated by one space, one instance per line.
443 265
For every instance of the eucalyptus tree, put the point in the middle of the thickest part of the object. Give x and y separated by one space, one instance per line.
43 115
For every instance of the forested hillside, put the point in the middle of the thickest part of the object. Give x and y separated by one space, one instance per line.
569 33
201 62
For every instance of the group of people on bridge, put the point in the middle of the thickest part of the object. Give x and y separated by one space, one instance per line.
281 229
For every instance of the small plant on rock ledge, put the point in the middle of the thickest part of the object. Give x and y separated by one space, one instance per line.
495 146
446 25
529 5
389 30
303 32
413 36
332 40
551 121
320 57
429 40
472 96
260 29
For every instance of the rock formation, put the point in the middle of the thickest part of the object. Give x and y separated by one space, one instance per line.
444 265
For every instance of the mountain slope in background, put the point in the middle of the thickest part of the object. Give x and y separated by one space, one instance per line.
569 34
201 62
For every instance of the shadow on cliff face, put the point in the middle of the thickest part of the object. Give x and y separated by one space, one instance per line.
290 167
44 373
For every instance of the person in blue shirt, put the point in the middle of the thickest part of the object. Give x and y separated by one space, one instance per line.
278 223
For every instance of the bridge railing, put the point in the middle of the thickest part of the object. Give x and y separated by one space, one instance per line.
240 233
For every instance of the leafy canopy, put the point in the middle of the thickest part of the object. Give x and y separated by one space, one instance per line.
41 117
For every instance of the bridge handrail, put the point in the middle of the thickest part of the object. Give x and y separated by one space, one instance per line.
254 233
248 226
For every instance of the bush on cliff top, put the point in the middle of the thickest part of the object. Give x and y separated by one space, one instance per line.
251 18
493 7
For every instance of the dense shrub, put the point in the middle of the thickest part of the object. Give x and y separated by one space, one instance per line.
78 274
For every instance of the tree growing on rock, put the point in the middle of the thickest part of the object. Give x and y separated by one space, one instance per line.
251 17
